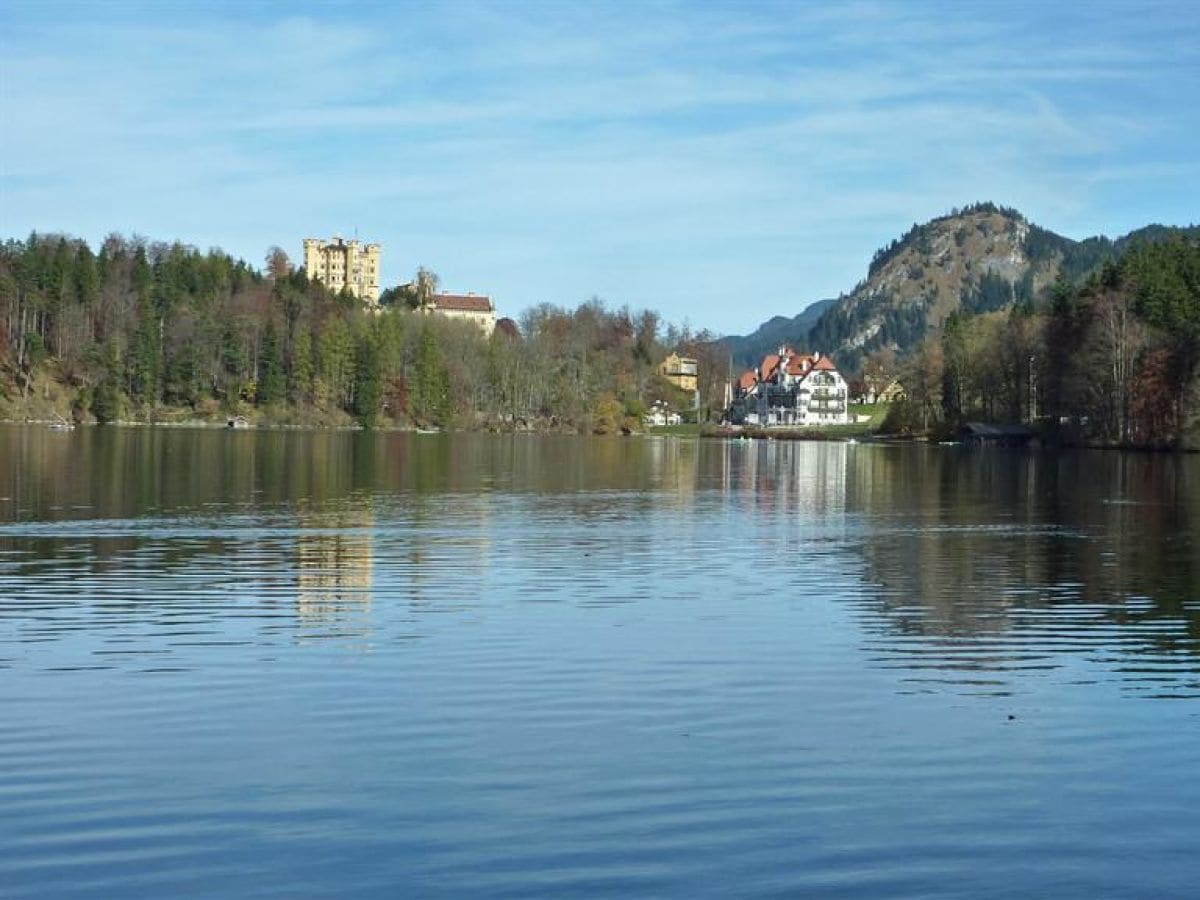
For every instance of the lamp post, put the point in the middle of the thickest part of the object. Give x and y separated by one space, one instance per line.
1032 392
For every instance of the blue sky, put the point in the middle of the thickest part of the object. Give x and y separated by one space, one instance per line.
721 163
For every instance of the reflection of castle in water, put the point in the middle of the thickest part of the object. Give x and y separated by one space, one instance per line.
335 568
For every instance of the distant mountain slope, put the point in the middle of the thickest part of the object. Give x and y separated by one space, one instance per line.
747 350
979 259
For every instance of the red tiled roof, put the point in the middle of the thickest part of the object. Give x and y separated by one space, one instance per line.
463 302
747 381
825 363
769 364
798 365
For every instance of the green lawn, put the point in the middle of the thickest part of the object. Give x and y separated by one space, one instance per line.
877 411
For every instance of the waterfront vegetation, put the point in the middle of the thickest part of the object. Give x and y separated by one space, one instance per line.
151 332
1113 359
155 332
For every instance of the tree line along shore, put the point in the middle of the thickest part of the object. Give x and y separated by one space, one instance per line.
1112 359
140 331
149 332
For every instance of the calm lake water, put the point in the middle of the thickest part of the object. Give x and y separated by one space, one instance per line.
244 663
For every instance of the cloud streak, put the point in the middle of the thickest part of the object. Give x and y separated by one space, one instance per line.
654 154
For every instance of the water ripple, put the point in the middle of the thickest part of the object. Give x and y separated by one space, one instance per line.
494 667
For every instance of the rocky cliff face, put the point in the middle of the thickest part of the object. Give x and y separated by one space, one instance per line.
981 259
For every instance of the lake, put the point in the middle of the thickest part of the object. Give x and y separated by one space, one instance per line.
330 664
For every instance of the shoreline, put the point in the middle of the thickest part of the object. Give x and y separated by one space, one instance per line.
706 432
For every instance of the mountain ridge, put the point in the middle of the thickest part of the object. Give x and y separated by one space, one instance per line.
748 349
977 259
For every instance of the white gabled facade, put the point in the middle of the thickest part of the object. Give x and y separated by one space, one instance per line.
791 389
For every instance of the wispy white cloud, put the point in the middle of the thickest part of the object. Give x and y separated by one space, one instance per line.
652 153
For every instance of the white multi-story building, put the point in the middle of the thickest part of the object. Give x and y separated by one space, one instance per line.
790 389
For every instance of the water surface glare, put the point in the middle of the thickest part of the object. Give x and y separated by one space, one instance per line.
266 663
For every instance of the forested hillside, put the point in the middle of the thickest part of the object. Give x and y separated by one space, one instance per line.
1114 358
148 331
976 260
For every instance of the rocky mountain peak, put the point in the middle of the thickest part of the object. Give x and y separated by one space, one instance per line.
975 259
978 259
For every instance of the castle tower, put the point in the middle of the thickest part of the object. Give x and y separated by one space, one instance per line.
344 265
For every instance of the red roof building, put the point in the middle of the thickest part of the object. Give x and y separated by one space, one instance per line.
476 303
770 363
475 308
790 388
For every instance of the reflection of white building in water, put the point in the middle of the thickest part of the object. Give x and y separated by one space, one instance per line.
800 478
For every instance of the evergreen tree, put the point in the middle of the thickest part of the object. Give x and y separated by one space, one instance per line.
233 359
300 385
431 383
144 356
107 405
87 278
270 368
336 352
368 382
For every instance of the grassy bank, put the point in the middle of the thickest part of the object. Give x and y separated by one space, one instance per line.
877 411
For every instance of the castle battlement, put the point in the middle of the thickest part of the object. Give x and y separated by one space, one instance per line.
344 265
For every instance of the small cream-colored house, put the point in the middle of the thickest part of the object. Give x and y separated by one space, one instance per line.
890 394
681 371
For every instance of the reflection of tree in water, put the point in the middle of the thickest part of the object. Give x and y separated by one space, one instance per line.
1001 560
